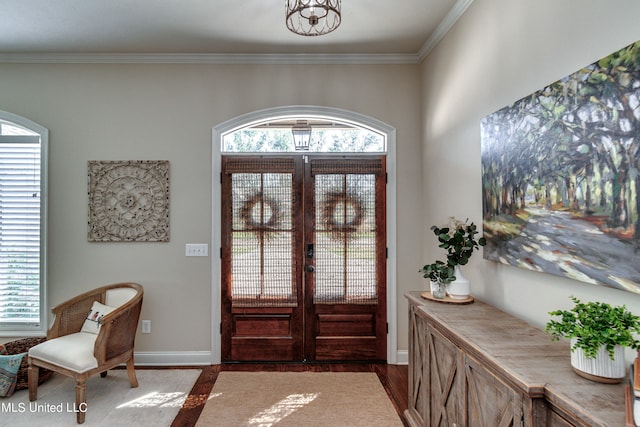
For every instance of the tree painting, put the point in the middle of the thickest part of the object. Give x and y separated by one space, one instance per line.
561 176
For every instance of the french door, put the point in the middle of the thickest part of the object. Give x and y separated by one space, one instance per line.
303 258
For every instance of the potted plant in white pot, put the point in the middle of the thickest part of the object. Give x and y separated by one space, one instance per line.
458 238
599 333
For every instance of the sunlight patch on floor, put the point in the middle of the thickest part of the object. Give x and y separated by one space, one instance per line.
282 409
155 399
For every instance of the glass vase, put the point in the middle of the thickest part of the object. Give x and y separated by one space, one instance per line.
438 290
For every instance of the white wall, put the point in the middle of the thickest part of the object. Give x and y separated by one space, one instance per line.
167 112
498 52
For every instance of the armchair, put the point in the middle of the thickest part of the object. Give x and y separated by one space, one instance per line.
80 345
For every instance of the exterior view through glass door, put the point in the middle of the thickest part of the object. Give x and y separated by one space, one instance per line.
303 258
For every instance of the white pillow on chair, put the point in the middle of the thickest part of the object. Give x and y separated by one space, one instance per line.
94 319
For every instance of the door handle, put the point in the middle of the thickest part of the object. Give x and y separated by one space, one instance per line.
310 250
311 268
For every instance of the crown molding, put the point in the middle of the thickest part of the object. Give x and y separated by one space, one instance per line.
245 58
445 25
204 58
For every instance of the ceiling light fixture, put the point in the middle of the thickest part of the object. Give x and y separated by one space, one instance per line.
301 135
313 17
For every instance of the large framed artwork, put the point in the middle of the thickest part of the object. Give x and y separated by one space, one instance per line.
128 201
561 176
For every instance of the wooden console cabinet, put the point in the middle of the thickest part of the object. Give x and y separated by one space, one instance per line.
474 365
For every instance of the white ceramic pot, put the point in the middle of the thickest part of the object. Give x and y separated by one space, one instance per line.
601 368
459 288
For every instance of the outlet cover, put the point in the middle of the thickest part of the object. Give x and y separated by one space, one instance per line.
146 326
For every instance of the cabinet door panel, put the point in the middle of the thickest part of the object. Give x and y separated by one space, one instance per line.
444 381
556 420
418 393
489 402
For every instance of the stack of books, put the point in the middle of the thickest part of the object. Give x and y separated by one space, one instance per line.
632 395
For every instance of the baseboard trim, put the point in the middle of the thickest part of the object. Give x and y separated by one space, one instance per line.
172 358
402 357
203 358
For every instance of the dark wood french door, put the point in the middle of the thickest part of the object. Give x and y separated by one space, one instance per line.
303 258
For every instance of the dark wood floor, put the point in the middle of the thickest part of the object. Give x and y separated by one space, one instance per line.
394 378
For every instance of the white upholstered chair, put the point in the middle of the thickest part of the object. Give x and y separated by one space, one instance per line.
90 334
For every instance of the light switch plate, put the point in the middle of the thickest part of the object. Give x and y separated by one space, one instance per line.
197 249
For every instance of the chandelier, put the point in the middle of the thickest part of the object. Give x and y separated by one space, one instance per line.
313 17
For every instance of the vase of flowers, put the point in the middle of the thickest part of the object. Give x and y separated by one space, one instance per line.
458 238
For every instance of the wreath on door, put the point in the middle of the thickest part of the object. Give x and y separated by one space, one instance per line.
260 213
348 219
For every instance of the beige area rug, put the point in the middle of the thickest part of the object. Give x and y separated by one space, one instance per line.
110 401
263 399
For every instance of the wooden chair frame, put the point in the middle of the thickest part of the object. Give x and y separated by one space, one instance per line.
113 346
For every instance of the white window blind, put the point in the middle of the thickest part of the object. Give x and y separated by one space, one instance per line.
20 229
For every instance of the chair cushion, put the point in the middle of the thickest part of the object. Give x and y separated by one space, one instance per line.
118 296
94 318
73 352
9 366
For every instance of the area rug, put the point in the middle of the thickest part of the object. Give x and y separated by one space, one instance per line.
263 399
110 400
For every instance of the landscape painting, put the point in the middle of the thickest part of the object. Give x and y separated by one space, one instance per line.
561 176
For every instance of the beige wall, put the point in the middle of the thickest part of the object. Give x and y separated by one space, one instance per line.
167 112
498 52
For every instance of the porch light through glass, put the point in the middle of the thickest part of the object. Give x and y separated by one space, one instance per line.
301 135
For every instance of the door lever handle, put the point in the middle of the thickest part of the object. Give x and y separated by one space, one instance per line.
310 250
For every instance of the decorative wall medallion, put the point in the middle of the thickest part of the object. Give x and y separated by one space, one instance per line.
128 201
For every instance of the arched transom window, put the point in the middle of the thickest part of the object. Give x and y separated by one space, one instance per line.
306 134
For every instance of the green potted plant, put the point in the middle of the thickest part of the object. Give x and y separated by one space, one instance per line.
458 239
599 333
440 274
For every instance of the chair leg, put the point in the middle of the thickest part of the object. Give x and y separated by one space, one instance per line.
81 400
32 379
131 372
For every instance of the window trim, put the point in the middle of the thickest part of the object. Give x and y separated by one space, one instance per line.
23 330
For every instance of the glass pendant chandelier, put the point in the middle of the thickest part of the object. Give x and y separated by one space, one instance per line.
313 17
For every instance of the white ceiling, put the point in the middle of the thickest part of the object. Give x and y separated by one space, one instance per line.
204 27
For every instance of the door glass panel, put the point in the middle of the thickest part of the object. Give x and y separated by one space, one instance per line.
345 233
262 240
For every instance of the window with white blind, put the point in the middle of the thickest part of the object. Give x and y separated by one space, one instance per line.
22 226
